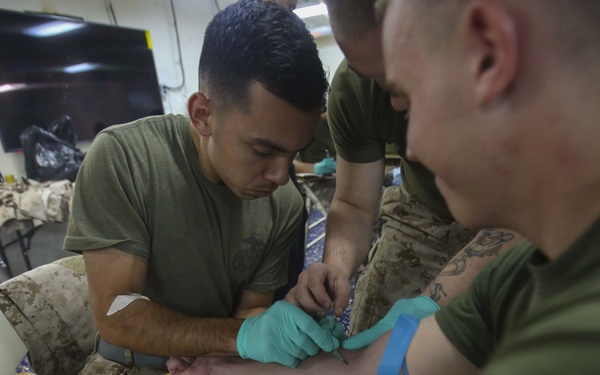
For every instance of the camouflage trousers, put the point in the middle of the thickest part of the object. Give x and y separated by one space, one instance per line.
414 246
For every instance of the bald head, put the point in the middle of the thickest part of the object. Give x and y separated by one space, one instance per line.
351 19
508 87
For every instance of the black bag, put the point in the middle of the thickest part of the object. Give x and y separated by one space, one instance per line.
51 154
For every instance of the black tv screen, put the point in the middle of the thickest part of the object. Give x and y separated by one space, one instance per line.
51 66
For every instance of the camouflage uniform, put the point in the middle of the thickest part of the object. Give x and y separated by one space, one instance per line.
414 246
97 365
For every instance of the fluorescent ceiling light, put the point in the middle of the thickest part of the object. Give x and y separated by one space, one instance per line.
83 67
52 28
311 11
12 87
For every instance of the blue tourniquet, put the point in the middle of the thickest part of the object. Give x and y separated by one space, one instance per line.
395 351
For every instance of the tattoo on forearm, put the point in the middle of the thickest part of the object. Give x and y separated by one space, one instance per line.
488 243
437 292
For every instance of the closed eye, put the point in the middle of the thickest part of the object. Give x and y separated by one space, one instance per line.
263 154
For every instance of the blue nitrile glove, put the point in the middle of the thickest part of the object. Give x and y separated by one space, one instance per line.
284 334
325 166
419 307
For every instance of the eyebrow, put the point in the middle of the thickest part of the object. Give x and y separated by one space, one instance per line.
269 144
266 143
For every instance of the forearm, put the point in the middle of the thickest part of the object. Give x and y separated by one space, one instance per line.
150 328
302 167
359 362
456 277
429 352
349 235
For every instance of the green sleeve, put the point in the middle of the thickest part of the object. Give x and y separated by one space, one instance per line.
350 119
106 209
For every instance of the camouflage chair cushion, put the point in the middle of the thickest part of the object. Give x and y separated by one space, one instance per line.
48 307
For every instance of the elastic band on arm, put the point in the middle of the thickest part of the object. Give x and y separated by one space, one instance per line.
395 352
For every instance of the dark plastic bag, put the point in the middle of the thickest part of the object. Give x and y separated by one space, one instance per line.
47 155
63 128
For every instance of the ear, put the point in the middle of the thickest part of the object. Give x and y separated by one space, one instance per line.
199 110
493 31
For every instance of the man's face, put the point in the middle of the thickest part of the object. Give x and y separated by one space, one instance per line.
251 152
445 130
365 57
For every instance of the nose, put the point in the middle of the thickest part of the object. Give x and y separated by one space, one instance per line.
399 103
278 173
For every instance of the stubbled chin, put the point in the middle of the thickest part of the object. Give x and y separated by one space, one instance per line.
451 200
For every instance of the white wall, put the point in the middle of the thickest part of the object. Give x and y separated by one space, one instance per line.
154 15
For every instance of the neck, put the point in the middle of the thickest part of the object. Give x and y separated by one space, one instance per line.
563 183
560 225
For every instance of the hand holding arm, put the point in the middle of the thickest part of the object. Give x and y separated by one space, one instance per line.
286 335
317 285
349 234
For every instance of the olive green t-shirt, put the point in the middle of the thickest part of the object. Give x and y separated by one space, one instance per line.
524 314
362 121
141 190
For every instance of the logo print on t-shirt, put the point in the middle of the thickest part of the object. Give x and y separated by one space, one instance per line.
251 252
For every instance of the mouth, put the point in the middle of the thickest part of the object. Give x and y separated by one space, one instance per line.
263 192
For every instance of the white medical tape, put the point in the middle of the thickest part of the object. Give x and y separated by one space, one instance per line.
122 302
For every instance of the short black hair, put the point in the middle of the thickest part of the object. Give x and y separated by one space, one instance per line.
255 40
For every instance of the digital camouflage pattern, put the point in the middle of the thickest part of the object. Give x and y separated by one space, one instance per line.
49 309
414 246
100 366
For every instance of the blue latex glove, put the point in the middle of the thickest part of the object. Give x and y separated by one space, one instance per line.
419 307
286 335
325 166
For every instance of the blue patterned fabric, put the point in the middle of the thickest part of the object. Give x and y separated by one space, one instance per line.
315 253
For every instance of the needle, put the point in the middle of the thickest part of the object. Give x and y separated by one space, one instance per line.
338 355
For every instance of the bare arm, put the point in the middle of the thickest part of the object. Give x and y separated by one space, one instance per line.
429 342
349 233
148 327
302 167
456 277
352 213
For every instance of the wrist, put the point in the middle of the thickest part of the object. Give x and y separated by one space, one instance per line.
241 338
340 267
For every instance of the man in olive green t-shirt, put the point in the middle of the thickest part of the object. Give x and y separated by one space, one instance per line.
185 223
422 251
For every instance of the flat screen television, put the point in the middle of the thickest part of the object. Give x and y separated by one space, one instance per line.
51 66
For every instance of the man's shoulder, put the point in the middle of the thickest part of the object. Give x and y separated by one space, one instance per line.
346 81
142 135
146 126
